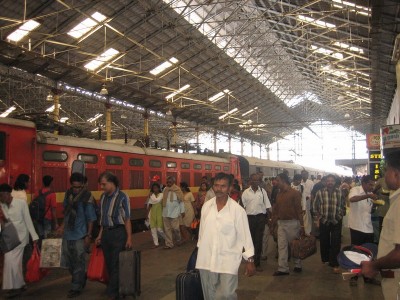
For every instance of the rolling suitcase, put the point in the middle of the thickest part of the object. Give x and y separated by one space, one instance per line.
129 273
188 286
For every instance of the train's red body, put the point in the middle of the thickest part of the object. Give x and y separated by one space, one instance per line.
23 150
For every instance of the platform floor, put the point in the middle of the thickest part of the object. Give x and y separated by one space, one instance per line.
160 267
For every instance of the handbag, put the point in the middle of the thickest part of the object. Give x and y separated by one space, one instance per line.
33 271
303 247
97 270
9 239
51 253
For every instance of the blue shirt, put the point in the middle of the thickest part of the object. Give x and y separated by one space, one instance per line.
84 214
115 209
173 208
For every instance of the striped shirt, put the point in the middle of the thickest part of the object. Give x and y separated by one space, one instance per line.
330 206
115 209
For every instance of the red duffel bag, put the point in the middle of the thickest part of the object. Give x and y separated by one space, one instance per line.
33 271
97 270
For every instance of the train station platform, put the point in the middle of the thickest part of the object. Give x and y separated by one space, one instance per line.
160 267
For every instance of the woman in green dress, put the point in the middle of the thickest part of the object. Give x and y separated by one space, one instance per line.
155 207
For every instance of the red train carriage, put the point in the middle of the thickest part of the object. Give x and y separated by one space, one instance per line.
24 151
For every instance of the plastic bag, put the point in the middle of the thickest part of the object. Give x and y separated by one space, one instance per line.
33 271
97 270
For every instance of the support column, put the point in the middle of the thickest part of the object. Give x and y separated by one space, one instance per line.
252 148
146 129
277 150
215 141
108 121
267 150
56 112
197 140
241 146
260 150
174 135
230 143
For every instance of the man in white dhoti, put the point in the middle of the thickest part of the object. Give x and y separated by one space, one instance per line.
15 211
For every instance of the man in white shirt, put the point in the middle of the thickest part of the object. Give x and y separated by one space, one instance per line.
210 193
296 184
16 211
388 262
256 203
360 224
224 232
307 188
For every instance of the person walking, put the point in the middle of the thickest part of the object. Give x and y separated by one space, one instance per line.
256 203
115 228
79 215
188 216
44 226
329 207
224 239
288 215
156 223
16 211
20 187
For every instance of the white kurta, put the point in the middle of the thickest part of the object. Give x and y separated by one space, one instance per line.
222 237
18 214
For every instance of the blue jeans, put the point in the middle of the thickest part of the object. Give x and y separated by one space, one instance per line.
74 259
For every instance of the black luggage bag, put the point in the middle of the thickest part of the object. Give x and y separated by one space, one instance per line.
188 286
129 273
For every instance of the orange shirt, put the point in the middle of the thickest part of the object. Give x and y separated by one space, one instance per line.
51 202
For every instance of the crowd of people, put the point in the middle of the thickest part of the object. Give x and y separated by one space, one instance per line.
230 223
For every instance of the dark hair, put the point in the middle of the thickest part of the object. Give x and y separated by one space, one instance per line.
184 186
225 176
204 177
20 183
366 179
330 175
47 180
155 184
297 177
5 188
76 177
110 177
284 177
236 187
393 160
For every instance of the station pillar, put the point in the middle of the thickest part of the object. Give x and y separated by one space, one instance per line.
174 135
215 141
252 144
230 143
197 140
241 146
146 129
56 113
260 150
108 121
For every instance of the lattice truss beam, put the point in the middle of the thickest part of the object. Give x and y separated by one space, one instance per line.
256 69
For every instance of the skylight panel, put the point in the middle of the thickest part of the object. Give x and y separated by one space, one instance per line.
316 22
351 48
164 66
219 96
51 108
363 10
328 52
336 72
86 25
102 59
23 31
64 119
97 116
8 111
249 111
228 113
185 87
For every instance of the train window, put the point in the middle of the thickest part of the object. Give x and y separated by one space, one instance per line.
117 173
55 156
197 179
137 179
197 166
114 160
2 145
171 164
217 167
208 167
185 177
185 165
136 162
226 168
155 163
88 158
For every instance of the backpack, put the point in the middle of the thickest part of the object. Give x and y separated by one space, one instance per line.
37 208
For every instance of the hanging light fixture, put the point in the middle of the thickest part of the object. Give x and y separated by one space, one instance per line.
104 90
49 97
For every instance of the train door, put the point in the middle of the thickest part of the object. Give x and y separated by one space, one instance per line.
4 162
